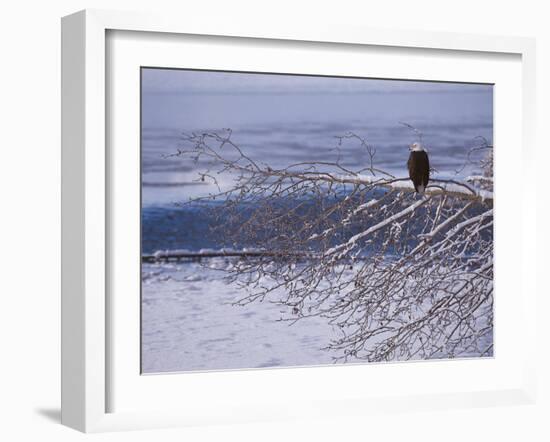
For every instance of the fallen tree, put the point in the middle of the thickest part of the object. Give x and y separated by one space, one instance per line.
399 275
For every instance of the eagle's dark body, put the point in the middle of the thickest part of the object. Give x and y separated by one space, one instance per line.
419 169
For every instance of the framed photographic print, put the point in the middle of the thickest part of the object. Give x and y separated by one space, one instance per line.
312 227
261 223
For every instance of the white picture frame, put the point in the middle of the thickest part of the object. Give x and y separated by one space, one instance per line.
86 207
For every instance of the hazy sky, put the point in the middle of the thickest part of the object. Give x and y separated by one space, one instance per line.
201 82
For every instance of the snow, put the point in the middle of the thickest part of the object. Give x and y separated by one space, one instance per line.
169 253
189 323
354 239
474 178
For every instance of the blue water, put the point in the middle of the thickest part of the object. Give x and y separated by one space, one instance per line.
284 120
210 226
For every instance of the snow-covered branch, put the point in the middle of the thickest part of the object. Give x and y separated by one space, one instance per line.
221 155
456 188
400 275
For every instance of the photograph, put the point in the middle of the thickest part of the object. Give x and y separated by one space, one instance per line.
300 220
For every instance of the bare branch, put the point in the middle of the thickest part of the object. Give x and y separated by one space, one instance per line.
401 276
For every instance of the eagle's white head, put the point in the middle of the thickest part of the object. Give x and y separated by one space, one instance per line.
416 147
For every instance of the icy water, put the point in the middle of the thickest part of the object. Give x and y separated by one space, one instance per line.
188 323
296 124
283 129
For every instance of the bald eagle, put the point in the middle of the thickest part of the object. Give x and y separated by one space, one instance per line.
419 167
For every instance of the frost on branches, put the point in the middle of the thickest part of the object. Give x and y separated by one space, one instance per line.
399 275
